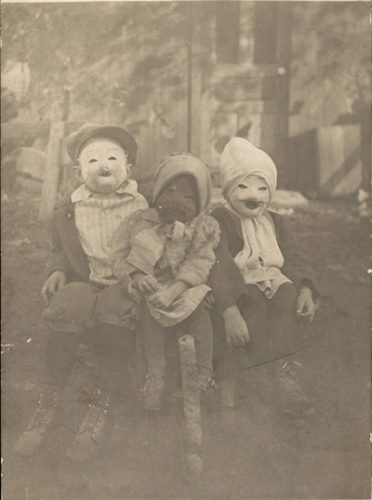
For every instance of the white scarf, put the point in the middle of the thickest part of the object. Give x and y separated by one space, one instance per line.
260 261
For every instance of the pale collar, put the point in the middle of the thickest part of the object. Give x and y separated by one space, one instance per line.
82 193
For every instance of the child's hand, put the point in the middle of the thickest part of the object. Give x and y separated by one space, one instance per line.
305 304
55 281
164 298
236 329
145 283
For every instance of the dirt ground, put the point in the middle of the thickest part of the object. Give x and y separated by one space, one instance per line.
254 452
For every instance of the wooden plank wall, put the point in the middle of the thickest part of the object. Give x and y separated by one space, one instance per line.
340 166
326 161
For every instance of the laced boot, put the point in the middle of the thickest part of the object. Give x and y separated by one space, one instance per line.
31 439
292 398
91 432
207 391
152 393
207 385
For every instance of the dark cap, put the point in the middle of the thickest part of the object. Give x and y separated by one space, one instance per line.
76 140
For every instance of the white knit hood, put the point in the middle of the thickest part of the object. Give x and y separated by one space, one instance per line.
240 159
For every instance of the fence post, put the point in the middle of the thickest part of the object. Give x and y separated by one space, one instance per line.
52 170
191 407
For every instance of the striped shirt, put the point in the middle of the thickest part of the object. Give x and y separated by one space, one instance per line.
97 218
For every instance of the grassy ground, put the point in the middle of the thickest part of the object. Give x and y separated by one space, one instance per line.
252 453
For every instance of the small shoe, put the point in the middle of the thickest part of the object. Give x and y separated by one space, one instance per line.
91 432
207 392
207 385
31 439
293 400
152 393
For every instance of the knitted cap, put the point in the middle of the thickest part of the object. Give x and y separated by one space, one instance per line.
76 140
240 159
184 164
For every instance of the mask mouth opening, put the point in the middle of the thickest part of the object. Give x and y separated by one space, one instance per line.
105 173
171 212
252 204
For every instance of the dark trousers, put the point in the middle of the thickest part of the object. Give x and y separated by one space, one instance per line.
198 325
272 323
112 346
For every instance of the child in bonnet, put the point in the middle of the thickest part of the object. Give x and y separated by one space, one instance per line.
166 254
277 286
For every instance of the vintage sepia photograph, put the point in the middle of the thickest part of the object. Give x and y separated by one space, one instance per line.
204 167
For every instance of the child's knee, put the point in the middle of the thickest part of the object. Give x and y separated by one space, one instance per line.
71 310
285 300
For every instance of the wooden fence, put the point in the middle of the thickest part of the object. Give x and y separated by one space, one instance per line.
55 131
327 161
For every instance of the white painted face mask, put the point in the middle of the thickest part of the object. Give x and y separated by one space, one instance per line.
103 166
250 197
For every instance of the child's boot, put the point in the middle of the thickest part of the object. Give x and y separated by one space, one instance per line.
152 393
31 439
92 430
292 397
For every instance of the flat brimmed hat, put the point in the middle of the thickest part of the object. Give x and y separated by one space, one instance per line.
76 140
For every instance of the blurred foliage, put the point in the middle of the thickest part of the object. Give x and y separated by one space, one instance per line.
81 46
331 43
74 45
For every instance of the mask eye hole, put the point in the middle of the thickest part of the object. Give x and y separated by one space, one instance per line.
262 188
242 186
93 160
112 158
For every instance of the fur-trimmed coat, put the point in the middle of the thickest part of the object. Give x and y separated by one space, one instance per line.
190 257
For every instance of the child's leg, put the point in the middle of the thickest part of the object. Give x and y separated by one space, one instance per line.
282 321
154 344
113 341
283 328
254 311
68 315
199 325
61 355
113 347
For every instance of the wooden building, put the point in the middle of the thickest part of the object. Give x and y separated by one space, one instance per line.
187 76
226 74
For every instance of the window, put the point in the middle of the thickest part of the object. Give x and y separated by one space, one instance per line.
227 32
265 32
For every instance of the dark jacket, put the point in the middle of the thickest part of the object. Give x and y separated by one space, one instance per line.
295 267
67 253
